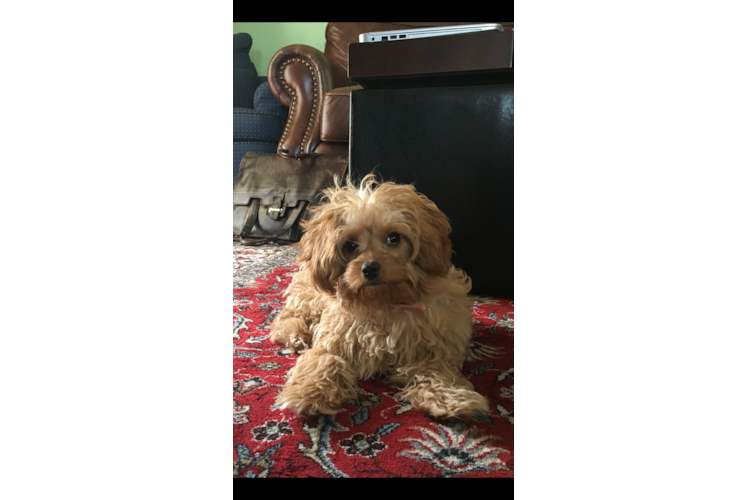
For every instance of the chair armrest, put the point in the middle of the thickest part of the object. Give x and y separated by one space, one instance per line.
264 100
299 76
257 125
336 107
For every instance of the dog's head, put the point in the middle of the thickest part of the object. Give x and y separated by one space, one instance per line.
376 243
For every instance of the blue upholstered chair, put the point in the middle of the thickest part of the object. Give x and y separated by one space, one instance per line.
258 116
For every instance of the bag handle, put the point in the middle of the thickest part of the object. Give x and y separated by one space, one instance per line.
252 213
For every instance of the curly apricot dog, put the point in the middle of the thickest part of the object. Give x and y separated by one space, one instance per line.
377 295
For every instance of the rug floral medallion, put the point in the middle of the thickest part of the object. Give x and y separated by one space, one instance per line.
375 435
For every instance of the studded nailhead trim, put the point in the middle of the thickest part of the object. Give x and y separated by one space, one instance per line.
294 99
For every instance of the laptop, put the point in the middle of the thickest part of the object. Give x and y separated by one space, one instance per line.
389 36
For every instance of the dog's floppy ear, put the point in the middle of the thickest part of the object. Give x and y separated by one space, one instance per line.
319 252
435 249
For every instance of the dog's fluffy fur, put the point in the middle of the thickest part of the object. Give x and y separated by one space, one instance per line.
352 328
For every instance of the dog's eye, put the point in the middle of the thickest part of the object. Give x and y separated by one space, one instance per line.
393 238
350 246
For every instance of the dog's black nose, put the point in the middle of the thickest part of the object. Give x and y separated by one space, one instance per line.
371 270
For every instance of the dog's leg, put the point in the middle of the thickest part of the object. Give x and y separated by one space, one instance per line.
319 383
302 310
291 330
439 390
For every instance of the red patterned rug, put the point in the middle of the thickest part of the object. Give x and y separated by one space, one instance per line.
376 435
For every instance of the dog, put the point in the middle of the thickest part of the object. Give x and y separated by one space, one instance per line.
376 294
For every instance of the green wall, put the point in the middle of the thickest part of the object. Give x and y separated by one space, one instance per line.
269 38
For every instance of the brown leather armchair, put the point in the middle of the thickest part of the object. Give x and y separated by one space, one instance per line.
316 88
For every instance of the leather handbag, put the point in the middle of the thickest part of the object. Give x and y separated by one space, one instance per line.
272 194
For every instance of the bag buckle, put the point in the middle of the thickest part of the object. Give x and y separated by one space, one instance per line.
276 210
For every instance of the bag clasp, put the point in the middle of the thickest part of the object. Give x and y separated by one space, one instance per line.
276 210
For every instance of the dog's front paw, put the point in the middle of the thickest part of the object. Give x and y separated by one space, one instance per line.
462 404
291 399
319 383
292 332
446 401
305 397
